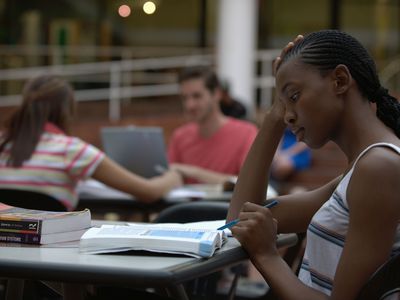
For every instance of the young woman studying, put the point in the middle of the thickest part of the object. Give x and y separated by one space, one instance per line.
327 90
37 154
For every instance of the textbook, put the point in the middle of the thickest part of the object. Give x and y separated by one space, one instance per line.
43 239
20 225
172 238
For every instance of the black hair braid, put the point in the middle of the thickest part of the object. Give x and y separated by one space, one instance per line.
388 110
327 49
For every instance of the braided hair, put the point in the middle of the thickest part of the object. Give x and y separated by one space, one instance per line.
328 48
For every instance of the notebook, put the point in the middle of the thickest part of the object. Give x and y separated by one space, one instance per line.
141 150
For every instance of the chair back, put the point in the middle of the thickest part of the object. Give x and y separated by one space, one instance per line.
384 283
206 286
30 200
193 212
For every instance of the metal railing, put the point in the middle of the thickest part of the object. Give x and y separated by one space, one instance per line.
129 78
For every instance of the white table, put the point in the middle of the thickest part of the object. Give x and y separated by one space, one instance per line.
67 265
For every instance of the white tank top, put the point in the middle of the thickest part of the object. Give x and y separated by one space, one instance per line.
327 232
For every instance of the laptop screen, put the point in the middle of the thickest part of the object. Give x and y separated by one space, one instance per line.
141 150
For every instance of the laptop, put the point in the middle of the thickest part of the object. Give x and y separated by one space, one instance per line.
141 150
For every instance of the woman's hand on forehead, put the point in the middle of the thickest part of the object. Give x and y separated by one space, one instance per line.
277 61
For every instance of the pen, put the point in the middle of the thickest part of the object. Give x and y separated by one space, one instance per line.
234 222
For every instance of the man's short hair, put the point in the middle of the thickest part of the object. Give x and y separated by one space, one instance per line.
209 77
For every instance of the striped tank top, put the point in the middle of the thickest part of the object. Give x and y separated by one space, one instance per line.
327 232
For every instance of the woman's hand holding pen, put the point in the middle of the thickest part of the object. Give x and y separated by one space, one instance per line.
256 231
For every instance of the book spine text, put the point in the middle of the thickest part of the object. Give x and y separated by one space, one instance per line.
21 226
14 237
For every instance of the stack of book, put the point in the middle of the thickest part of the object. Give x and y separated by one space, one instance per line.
20 225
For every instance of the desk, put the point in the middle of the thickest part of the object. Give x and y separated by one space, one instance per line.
90 189
137 270
100 198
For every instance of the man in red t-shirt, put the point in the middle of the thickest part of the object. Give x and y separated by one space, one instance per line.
211 147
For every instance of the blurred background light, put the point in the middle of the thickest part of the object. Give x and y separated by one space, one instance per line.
149 7
124 11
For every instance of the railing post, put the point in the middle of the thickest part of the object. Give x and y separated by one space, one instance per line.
56 54
114 110
126 77
266 92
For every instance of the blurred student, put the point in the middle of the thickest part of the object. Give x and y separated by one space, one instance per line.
230 106
37 154
291 157
211 147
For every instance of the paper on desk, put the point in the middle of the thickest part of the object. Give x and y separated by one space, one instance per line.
184 192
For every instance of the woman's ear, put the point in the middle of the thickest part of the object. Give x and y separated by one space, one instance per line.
342 79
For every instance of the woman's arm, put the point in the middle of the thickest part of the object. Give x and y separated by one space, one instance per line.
252 181
374 207
295 211
256 232
253 177
200 174
148 190
374 215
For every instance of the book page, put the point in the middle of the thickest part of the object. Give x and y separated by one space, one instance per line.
204 225
141 228
185 192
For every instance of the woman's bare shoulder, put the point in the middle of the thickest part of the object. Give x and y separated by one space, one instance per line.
376 179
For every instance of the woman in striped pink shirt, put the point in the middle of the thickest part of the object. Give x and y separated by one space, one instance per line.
37 154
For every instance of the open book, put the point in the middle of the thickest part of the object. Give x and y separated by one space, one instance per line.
176 238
